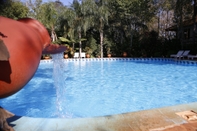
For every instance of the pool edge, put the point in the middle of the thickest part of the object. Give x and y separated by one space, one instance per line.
147 120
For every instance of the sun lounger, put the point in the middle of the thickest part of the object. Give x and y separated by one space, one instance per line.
83 55
185 54
192 56
179 53
76 55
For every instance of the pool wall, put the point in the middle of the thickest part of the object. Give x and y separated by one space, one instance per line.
175 61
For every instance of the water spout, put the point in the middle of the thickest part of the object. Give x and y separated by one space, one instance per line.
59 84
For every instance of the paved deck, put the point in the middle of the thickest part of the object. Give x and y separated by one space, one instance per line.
160 119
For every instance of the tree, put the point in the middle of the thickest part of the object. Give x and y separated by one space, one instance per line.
164 15
194 19
49 18
183 11
47 13
34 9
96 13
101 19
128 17
80 21
13 9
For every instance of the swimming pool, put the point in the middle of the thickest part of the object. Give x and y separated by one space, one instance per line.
96 87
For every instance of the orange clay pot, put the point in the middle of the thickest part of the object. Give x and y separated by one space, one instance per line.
109 55
124 54
26 40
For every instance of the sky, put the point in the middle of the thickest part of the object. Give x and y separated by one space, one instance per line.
65 2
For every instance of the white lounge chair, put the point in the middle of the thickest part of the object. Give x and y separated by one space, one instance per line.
179 53
185 54
76 55
83 55
192 56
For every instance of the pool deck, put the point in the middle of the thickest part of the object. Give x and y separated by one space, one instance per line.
159 119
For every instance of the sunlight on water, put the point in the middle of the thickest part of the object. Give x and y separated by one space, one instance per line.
59 84
82 88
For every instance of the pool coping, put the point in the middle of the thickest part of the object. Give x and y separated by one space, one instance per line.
176 61
147 120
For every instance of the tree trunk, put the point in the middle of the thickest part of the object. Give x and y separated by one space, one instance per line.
101 42
167 33
79 44
131 37
158 23
181 26
53 35
73 46
194 20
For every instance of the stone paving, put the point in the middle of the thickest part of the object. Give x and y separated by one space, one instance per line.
160 119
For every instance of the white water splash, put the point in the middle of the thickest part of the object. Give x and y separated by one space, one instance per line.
59 84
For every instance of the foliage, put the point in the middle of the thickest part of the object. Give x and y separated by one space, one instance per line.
13 9
101 19
47 13
76 22
149 44
183 10
108 45
110 26
127 18
88 50
71 41
34 9
163 16
70 51
91 46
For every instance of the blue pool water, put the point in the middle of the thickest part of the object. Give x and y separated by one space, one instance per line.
97 88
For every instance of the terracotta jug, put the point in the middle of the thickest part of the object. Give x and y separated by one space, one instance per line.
22 43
